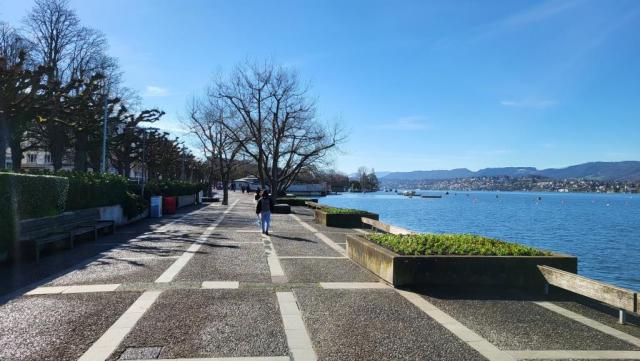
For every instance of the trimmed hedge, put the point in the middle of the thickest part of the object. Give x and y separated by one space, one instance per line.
295 201
451 244
93 189
25 196
334 210
171 188
90 190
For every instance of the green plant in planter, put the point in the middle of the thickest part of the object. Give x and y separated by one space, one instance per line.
451 244
334 210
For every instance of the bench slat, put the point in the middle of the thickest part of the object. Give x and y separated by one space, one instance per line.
615 296
388 228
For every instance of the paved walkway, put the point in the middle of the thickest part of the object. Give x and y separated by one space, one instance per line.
207 285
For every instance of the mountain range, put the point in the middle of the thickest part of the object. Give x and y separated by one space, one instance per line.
602 171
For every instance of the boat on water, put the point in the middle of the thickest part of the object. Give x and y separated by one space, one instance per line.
409 193
431 196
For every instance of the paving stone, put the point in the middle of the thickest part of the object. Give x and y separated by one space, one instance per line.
325 270
375 325
235 262
58 327
301 244
140 353
514 323
114 271
211 323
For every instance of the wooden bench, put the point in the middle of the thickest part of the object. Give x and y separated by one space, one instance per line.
623 299
314 205
66 227
387 228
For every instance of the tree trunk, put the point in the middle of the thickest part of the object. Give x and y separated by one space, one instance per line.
57 143
80 157
4 139
16 155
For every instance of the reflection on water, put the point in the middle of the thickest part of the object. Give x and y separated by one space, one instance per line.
602 230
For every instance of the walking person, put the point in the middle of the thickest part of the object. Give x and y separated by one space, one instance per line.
264 209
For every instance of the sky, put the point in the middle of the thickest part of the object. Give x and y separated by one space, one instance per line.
417 85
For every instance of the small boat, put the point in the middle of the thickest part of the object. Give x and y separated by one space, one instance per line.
431 196
409 193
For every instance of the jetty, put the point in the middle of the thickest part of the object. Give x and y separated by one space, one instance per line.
205 284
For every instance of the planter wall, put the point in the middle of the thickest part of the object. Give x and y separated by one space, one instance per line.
342 220
116 214
503 271
113 213
187 200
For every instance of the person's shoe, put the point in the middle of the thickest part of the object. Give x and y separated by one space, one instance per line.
267 233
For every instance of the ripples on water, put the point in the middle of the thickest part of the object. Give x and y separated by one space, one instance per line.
602 230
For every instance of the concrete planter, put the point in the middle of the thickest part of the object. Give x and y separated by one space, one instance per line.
116 214
281 209
187 200
502 271
113 213
342 220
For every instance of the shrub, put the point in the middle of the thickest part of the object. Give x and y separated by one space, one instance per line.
93 189
89 190
27 196
333 210
295 201
451 244
133 205
171 188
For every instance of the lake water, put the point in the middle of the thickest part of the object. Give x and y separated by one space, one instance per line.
602 230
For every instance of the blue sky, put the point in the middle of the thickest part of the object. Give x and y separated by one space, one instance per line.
417 85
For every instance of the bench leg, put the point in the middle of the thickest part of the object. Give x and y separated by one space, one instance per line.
622 317
546 289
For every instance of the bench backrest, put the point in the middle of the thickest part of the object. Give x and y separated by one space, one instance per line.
315 205
387 228
618 297
65 222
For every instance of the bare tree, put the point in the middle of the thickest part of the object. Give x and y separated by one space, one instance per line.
19 84
278 126
54 32
210 121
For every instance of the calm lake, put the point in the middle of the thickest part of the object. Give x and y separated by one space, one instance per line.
602 230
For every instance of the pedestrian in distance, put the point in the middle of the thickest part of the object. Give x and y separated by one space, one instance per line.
258 194
264 209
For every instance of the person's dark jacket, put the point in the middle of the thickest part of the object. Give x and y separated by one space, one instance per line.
268 201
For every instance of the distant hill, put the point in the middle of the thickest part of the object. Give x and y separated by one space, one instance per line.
603 171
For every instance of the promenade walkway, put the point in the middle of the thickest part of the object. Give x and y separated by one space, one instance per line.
207 285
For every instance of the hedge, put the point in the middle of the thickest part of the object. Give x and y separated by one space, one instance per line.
93 189
25 196
334 210
169 188
451 244
295 201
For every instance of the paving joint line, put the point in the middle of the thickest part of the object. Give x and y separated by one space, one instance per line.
169 274
298 340
574 354
275 267
472 339
320 236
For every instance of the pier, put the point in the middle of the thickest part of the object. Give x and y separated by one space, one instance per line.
205 284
